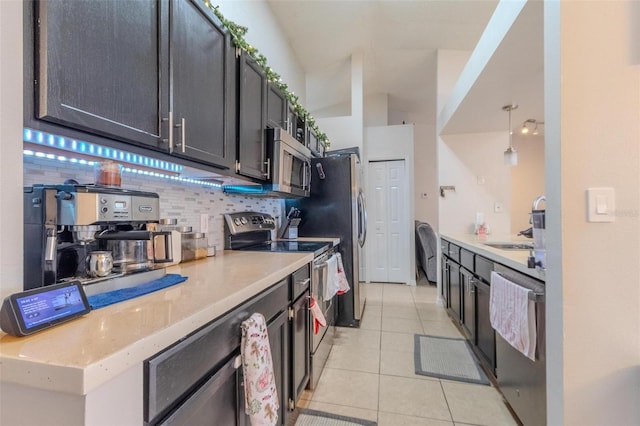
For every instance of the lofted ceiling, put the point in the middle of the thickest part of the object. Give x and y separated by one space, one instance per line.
398 39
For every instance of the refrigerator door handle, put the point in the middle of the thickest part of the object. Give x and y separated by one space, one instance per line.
362 219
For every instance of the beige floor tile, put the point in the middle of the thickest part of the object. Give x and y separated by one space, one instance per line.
355 358
399 311
432 312
341 410
398 342
371 322
440 328
476 404
346 336
349 388
401 325
373 293
425 294
400 364
393 419
413 397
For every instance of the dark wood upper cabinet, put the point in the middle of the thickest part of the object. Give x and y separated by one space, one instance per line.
252 118
99 67
201 90
276 108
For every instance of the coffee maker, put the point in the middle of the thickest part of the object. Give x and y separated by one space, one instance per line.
538 256
89 233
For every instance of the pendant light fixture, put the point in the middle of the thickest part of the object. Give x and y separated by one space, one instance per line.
510 154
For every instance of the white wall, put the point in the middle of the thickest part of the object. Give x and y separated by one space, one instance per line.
426 175
347 131
395 143
462 161
592 116
376 110
265 35
527 179
11 146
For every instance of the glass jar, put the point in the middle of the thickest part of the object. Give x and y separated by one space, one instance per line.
108 173
194 246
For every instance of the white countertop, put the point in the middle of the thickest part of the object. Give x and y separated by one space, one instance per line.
515 259
79 356
333 240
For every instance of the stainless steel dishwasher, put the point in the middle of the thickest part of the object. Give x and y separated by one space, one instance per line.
522 381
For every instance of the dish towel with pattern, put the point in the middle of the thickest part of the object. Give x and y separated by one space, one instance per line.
260 392
513 315
318 317
343 283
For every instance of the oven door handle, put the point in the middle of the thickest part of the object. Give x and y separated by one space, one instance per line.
320 266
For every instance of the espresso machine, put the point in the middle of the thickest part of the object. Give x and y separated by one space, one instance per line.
537 257
89 233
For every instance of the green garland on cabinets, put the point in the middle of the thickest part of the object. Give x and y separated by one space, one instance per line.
237 33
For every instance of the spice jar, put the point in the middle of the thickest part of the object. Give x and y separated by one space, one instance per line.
108 173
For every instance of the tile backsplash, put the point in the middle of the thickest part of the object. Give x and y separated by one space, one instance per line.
182 201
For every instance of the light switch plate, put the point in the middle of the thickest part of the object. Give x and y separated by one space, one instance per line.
498 207
601 205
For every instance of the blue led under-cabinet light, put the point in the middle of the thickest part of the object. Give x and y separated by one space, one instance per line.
37 137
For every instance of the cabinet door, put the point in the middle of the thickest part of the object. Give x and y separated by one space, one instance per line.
278 330
468 305
454 290
252 119
300 346
444 276
220 398
200 90
486 335
99 67
276 108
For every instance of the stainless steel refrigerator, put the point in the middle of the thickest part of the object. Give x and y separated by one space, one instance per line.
336 208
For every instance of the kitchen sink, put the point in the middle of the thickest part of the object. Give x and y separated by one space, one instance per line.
511 246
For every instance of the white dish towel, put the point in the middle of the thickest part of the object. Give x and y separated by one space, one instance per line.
333 286
260 392
513 315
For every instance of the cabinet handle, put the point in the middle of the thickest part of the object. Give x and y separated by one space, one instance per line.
170 132
268 164
183 134
237 166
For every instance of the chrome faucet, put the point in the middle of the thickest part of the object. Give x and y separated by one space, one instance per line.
537 201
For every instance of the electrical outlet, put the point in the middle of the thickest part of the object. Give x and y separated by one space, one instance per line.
498 207
204 223
423 195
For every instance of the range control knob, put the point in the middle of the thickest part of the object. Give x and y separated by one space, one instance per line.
103 201
244 220
104 209
237 221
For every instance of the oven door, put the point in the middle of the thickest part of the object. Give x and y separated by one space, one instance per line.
318 284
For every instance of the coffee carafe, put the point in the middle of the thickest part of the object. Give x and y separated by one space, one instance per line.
71 232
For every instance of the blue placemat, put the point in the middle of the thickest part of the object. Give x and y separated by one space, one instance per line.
105 299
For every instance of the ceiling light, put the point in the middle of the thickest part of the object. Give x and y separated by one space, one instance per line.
510 155
535 130
525 129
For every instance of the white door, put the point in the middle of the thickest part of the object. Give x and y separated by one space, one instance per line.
388 246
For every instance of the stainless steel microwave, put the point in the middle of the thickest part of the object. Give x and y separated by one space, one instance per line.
291 160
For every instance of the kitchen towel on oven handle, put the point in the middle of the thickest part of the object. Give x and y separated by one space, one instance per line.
318 317
343 283
260 392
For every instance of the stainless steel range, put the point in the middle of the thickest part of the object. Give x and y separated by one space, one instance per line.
251 231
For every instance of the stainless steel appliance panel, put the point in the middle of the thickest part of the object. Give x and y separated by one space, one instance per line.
335 209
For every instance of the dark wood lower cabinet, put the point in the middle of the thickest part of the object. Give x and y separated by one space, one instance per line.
278 331
468 294
198 380
486 335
